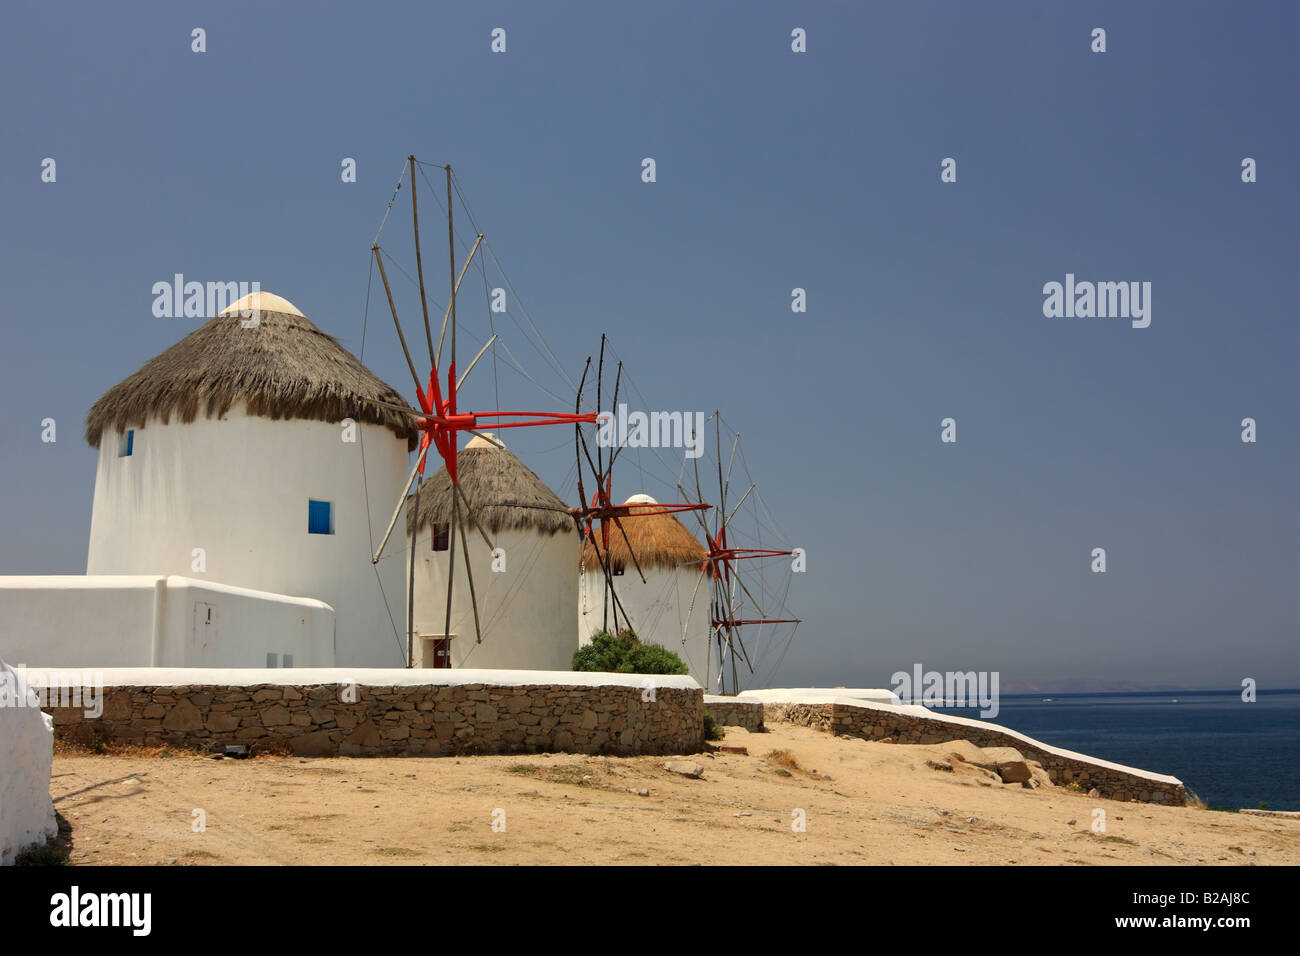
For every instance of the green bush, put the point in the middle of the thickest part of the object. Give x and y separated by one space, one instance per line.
622 653
712 729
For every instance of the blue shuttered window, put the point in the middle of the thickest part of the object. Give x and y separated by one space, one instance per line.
320 517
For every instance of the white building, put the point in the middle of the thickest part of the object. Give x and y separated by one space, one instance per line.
136 620
255 456
670 607
26 753
524 585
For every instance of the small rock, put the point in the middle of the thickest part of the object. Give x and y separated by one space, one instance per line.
1094 793
1069 823
685 768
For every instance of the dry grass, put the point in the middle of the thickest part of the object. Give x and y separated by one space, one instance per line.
66 747
783 758
659 541
284 368
503 493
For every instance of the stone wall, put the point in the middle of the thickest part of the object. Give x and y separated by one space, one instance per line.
415 719
885 723
734 712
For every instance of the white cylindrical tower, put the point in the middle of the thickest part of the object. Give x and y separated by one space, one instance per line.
524 584
671 607
263 456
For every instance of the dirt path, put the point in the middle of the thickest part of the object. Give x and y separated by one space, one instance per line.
863 803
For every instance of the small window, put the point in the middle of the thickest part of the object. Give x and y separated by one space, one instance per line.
272 660
126 443
286 661
441 537
320 517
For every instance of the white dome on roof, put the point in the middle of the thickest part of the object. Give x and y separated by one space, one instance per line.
485 440
640 500
263 302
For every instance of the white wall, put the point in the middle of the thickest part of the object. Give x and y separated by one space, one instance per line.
660 610
141 620
26 754
526 613
238 488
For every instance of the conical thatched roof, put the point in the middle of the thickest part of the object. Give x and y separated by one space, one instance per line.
284 367
502 490
658 540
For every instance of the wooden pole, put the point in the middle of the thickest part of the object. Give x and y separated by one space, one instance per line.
451 264
419 263
455 499
401 503
446 315
393 308
451 567
469 574
410 582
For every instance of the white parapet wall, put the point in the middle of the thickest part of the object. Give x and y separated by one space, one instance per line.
808 694
99 621
854 715
26 753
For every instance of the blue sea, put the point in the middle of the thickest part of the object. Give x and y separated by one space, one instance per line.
1231 754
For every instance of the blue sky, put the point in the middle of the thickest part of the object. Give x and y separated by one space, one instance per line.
775 170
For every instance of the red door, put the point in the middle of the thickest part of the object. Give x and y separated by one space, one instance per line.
442 652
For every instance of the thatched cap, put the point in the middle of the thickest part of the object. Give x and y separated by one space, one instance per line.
284 367
502 490
659 540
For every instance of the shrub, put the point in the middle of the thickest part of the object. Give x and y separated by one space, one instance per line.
712 729
622 653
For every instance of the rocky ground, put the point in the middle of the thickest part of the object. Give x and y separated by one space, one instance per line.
797 796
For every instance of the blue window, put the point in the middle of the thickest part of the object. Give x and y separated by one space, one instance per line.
125 443
320 517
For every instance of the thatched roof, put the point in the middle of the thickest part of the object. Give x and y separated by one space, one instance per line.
659 541
284 367
502 490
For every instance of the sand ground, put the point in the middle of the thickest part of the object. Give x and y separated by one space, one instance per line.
863 802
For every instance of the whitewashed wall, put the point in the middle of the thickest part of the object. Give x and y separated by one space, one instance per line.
526 613
238 488
26 753
141 620
660 610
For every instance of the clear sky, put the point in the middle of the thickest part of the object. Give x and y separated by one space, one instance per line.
775 170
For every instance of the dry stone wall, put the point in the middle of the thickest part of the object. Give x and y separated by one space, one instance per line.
734 712
882 723
410 719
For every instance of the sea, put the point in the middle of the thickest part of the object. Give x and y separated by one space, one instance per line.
1232 754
